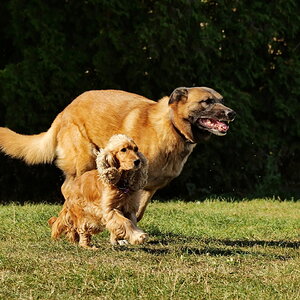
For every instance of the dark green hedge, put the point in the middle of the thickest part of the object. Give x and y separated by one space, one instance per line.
51 51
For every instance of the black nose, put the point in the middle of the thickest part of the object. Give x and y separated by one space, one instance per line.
137 162
230 114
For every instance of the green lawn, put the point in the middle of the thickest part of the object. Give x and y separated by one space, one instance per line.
208 250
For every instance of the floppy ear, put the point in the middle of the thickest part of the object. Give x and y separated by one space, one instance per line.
144 160
107 167
107 160
137 179
178 95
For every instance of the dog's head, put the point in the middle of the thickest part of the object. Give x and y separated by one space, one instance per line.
197 112
120 156
123 153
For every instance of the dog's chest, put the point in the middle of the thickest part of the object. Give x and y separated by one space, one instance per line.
168 165
126 202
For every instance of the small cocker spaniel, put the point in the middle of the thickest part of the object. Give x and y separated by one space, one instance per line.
105 198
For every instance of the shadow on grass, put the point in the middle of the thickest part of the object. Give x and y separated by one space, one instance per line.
205 251
214 251
171 243
247 243
183 250
154 251
167 238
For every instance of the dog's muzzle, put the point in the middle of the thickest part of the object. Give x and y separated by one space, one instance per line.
218 125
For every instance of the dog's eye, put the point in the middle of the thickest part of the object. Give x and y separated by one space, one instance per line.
135 149
123 149
209 101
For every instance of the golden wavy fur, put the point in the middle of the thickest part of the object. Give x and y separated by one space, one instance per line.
105 198
166 132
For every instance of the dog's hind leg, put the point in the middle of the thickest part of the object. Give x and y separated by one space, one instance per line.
85 240
58 227
75 152
73 236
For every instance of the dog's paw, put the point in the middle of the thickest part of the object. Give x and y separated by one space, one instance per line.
115 241
123 242
139 238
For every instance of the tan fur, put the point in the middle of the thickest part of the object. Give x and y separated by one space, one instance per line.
163 131
105 198
33 149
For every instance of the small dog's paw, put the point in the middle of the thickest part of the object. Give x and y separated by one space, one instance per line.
139 238
123 242
114 241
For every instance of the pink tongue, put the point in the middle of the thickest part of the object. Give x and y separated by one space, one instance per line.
214 124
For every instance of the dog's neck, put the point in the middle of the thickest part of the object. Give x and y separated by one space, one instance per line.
184 138
123 186
166 116
124 189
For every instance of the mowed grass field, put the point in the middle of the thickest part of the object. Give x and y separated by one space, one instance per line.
208 250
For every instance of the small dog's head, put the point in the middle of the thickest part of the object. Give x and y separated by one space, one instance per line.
120 155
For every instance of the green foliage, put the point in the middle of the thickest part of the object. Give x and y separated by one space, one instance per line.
249 51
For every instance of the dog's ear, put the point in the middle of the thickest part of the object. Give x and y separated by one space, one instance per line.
111 160
107 167
137 179
105 159
144 160
178 94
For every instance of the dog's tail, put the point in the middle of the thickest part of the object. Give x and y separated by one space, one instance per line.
63 225
33 149
51 221
58 227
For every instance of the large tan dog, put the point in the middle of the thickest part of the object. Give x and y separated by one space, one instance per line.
165 131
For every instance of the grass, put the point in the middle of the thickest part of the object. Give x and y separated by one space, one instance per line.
208 250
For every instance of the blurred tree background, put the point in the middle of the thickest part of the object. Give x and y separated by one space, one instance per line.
52 51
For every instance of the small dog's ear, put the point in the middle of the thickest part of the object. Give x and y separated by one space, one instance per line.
111 160
178 94
143 159
106 159
107 167
137 179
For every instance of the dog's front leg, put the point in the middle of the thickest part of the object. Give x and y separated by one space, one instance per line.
145 198
115 240
122 228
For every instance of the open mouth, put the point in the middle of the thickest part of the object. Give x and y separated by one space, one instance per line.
218 127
